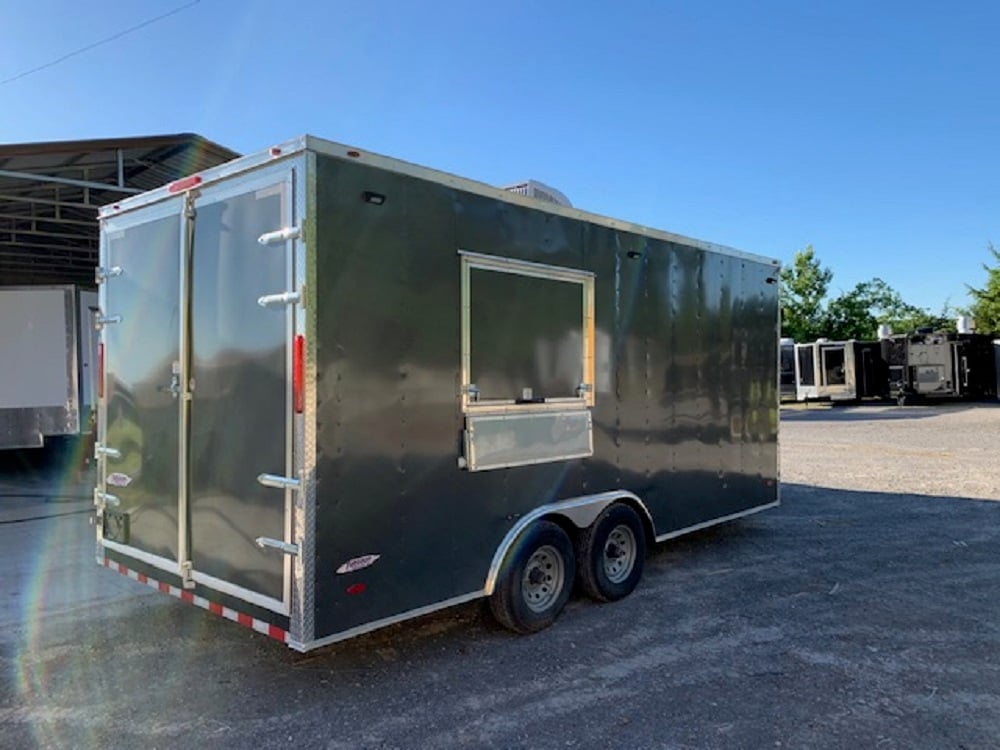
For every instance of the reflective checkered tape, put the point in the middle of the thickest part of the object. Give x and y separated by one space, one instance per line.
272 631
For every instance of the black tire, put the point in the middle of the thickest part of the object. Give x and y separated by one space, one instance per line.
536 579
612 554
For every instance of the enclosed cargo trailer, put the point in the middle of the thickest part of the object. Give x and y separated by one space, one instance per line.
341 391
940 365
48 347
839 371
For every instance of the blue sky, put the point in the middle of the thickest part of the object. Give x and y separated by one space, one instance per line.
868 130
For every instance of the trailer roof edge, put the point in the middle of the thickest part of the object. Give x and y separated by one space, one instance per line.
307 142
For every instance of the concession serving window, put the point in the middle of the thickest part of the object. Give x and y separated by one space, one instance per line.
527 362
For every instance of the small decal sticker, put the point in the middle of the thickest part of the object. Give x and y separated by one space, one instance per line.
358 563
119 480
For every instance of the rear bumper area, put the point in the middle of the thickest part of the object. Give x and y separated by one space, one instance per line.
267 623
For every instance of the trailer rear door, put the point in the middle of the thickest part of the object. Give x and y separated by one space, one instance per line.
198 385
141 344
241 410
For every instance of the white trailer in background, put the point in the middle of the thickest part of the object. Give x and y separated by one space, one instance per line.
48 363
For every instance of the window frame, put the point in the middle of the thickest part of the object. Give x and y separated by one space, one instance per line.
479 261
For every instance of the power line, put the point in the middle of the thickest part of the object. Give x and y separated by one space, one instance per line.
89 47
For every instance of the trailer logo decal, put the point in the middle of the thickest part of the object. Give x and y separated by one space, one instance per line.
118 479
357 563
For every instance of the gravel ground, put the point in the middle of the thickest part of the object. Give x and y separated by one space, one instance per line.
949 450
862 613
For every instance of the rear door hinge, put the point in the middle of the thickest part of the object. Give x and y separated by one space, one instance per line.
103 274
279 235
288 549
102 499
282 298
187 577
102 450
278 482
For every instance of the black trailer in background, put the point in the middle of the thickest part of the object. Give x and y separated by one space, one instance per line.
940 365
924 365
342 391
996 366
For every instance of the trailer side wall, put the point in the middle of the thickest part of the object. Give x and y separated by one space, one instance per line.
685 412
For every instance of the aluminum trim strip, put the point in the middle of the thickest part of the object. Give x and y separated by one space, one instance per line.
385 622
304 433
525 267
278 152
239 592
716 521
163 563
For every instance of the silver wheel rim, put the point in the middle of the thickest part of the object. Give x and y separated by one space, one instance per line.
543 578
619 553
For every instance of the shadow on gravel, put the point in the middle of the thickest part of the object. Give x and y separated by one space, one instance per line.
59 471
876 412
840 619
37 463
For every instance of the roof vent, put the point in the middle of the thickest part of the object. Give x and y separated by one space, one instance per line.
535 189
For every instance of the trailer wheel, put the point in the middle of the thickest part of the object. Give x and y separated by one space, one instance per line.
536 579
612 554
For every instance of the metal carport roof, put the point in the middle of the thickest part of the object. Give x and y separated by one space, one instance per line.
50 193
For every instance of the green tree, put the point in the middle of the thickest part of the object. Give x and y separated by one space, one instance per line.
857 314
804 284
986 299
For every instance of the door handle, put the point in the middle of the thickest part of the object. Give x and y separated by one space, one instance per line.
174 389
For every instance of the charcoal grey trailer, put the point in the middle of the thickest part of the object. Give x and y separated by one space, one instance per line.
341 390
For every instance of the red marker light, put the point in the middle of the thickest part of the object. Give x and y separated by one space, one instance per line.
299 374
356 588
354 154
100 370
186 184
275 151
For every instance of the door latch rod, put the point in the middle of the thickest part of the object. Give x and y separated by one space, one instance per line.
288 549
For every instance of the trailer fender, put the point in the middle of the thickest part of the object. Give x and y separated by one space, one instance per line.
579 511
